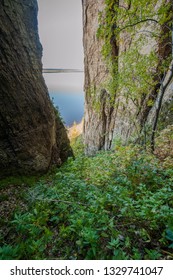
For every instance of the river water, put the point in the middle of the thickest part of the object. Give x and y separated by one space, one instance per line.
70 105
66 92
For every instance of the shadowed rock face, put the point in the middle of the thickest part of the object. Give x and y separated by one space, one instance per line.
32 138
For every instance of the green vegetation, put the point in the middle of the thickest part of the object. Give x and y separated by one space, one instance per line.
137 27
137 50
115 205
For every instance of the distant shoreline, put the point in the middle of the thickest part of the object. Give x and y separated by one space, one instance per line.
59 70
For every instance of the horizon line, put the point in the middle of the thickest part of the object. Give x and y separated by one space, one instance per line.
61 70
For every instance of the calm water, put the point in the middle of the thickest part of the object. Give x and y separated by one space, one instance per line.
70 104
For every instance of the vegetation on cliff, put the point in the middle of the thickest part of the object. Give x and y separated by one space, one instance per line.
138 69
135 41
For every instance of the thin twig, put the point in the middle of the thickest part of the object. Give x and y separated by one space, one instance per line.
166 252
138 22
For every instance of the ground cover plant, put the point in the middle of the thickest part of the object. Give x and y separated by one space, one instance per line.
114 205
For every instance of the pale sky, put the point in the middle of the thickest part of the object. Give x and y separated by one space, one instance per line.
60 31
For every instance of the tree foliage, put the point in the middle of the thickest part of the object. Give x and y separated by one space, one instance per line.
144 30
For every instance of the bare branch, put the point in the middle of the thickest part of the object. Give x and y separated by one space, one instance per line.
138 22
162 91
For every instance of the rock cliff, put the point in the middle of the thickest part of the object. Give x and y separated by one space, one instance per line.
119 93
32 137
99 113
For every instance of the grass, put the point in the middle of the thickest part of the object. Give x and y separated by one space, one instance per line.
115 205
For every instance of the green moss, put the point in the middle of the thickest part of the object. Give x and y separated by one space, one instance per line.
106 32
94 98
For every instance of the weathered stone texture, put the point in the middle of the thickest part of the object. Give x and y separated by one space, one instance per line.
31 137
99 120
124 117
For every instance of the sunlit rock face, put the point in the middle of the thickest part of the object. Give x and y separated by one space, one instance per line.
134 105
125 113
99 114
32 138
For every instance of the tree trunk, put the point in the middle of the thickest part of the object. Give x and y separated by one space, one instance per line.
163 88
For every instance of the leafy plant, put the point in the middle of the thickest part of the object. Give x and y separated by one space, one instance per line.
114 205
169 236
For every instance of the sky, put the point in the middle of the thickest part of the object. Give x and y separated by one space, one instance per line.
60 31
